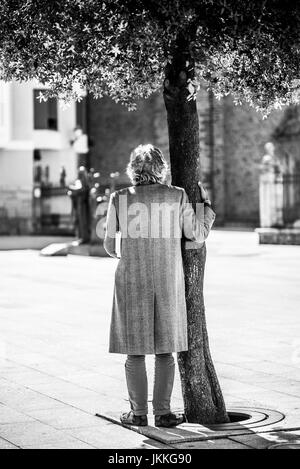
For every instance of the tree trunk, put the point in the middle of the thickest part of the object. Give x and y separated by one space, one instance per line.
202 395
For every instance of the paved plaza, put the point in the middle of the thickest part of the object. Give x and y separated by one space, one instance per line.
56 373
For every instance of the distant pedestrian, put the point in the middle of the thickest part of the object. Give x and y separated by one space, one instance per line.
62 177
149 307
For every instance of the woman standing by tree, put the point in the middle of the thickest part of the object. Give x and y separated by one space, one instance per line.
149 307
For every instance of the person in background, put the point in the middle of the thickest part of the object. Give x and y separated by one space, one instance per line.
62 177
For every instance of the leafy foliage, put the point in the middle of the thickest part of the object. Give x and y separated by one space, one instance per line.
121 48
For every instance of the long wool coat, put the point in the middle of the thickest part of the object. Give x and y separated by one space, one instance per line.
149 308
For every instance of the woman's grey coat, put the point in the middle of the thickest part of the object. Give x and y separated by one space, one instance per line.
149 308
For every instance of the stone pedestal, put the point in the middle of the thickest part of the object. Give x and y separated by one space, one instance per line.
271 199
278 236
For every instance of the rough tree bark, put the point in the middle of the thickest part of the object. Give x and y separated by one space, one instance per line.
202 395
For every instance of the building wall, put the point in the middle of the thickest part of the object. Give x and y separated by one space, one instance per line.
245 135
115 132
218 157
287 140
211 127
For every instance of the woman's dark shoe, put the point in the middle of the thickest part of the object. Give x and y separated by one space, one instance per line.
128 418
169 420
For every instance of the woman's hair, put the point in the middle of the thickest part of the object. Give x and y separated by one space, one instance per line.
147 165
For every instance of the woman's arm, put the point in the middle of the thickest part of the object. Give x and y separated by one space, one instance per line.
196 226
112 226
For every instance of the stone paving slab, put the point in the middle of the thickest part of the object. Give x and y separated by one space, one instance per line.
24 400
61 444
4 444
29 433
266 440
221 443
8 415
55 249
114 437
67 417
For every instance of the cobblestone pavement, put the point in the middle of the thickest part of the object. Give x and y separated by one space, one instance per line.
55 372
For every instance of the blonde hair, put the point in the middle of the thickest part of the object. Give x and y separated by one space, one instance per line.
147 165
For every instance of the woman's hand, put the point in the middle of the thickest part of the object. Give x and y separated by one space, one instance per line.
203 193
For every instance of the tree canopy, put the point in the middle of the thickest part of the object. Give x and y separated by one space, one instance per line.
120 48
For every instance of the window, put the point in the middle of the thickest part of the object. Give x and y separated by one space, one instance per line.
45 112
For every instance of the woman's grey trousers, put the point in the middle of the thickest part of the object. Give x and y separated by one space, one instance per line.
137 383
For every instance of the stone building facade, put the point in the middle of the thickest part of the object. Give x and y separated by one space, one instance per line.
232 140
